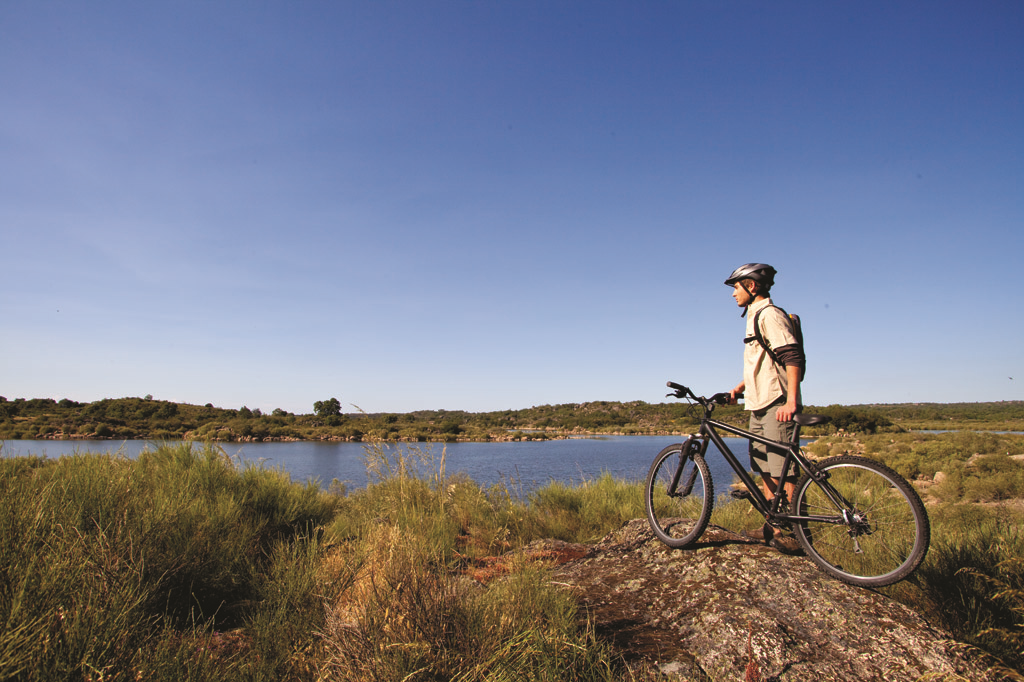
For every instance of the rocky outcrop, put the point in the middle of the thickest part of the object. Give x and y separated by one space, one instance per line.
728 608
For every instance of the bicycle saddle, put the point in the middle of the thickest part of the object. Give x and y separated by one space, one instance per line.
810 419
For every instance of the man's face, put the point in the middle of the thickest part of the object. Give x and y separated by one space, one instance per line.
742 296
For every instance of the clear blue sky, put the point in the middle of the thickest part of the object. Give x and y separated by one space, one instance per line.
488 205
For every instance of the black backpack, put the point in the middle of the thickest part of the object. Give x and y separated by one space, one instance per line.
794 327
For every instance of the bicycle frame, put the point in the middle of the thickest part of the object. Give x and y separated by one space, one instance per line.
708 433
856 518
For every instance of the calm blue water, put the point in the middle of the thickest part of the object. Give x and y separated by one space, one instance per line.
521 465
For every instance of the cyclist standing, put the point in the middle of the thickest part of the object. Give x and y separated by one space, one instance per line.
771 390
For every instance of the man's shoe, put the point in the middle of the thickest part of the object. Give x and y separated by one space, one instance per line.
764 534
785 544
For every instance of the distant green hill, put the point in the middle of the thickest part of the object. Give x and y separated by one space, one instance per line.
146 418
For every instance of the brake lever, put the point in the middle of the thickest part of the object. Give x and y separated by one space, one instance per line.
680 391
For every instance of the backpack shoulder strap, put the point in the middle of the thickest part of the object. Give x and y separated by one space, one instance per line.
760 337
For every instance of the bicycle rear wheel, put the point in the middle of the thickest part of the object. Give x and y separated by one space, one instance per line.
679 494
879 535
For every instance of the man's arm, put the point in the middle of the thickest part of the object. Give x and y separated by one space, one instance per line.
786 412
738 391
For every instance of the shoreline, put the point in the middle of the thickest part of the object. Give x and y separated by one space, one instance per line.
581 435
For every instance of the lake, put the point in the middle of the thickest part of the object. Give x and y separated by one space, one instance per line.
520 465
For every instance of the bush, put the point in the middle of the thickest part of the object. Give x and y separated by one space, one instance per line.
586 512
973 578
856 420
404 616
114 565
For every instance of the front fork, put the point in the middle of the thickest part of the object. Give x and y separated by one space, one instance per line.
686 453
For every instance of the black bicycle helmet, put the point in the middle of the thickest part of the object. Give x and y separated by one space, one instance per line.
762 273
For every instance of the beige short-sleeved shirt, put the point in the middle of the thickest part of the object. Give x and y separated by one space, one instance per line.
764 381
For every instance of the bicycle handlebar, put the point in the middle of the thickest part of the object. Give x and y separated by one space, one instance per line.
681 391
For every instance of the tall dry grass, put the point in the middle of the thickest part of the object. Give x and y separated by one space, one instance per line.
119 569
182 565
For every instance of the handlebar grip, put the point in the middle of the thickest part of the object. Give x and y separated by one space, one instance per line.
721 398
676 387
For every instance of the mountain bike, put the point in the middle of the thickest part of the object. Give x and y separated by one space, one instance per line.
857 519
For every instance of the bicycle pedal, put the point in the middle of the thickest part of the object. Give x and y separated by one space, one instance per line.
741 495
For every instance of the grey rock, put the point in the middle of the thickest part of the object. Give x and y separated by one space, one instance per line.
709 611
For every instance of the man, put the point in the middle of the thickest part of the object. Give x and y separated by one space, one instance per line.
771 389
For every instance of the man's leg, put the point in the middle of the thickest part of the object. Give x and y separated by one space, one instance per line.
766 462
759 454
771 484
764 424
780 431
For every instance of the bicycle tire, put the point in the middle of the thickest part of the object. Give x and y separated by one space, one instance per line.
886 534
678 520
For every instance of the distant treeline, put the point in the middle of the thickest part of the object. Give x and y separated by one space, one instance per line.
146 418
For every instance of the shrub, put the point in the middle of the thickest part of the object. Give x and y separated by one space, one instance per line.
993 478
403 616
973 578
586 512
856 420
109 565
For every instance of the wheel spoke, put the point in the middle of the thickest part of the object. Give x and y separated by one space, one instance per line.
679 496
887 532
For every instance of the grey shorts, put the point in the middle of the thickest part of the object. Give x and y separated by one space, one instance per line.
764 460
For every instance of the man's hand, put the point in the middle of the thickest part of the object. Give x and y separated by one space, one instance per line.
786 412
736 393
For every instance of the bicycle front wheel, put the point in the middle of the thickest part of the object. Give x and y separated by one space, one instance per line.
876 534
679 494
